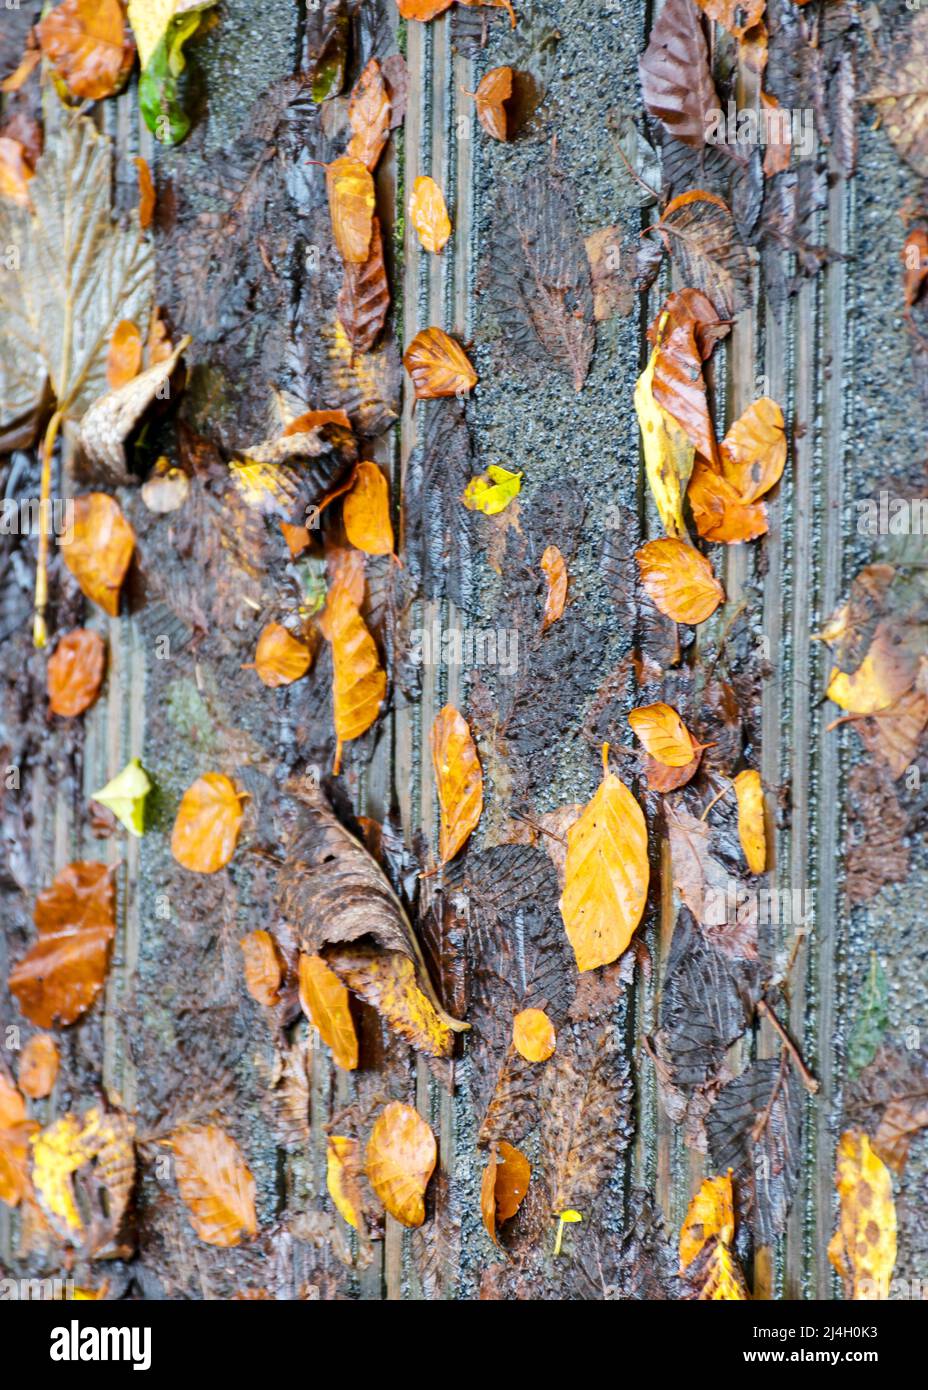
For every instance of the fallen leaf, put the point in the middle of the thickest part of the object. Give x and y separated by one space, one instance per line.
38 1066
297 538
459 779
737 16
146 193
586 1118
751 832
754 1132
606 875
387 981
15 172
162 29
613 273
207 826
505 1183
344 570
280 659
438 366
753 452
366 511
16 1130
678 580
422 9
669 779
59 977
359 682
492 491
684 334
325 1002
364 299
863 1248
901 93
705 884
663 734
676 82
429 214
494 90
400 1159
554 567
88 44
342 1177
99 549
668 453
110 420
718 511
100 1147
125 796
124 359
705 1243
533 1035
351 207
700 234
215 1185
369 116
263 967
75 672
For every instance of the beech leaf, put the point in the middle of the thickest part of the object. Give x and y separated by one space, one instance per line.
400 1159
215 1185
207 825
459 779
125 796
75 672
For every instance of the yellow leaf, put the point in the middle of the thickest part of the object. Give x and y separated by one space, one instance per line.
492 491
429 215
387 981
125 797
751 831
705 1240
401 1156
668 453
342 1168
459 779
533 1035
106 1141
863 1248
324 1001
208 822
663 734
351 206
359 682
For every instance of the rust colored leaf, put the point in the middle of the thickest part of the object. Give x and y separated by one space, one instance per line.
263 967
663 734
61 975
533 1035
505 1183
438 366
359 682
146 193
281 659
678 580
344 570
387 981
75 672
863 1248
555 571
366 511
699 232
676 83
297 538
89 45
369 116
99 549
459 778
753 452
208 822
400 1159
606 875
364 298
15 1133
718 510
124 360
324 1000
750 793
15 172
422 9
38 1066
215 1185
429 214
669 779
351 207
613 272
684 333
494 90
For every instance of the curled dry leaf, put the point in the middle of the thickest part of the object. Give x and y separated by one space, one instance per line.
684 334
359 682
533 1035
263 967
281 659
494 90
325 1002
215 1184
15 172
664 734
606 874
124 359
429 214
369 116
207 826
15 1132
100 1147
459 779
342 1177
387 981
705 1244
366 511
400 1159
111 419
505 1183
146 193
351 207
678 580
863 1248
751 832
438 366
98 549
89 45
700 234
75 672
363 301
59 978
554 567
38 1066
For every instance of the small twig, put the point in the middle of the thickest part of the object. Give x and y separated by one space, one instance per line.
637 177
808 1080
517 815
718 797
39 626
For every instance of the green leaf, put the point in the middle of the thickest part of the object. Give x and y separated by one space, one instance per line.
492 491
872 1019
329 69
125 796
159 97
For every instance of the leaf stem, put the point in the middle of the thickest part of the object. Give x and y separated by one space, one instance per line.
808 1080
39 626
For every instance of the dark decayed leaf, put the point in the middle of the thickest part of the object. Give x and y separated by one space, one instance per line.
365 296
900 93
676 83
439 531
701 236
586 1118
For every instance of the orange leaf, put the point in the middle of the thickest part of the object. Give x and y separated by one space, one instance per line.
505 1183
366 511
754 450
263 967
146 193
678 580
38 1066
359 682
400 1159
15 1133
719 512
215 1184
344 570
387 981
342 1173
281 659
89 45
555 571
663 734
99 549
685 332
312 419
459 778
438 366
364 298
751 832
606 874
533 1035
429 214
124 360
15 172
351 207
297 538
669 779
863 1248
324 1000
208 822
75 672
59 977
369 116
491 96
422 9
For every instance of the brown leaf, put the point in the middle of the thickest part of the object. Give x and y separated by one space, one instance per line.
505 1183
263 967
669 779
89 45
99 549
351 207
38 1066
146 193
364 298
208 822
459 778
685 332
429 214
61 975
676 83
324 1000
400 1159
359 682
678 580
438 366
75 672
704 883
369 116
366 511
494 91
613 272
280 658
387 981
586 1119
215 1185
700 234
533 1035
555 571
